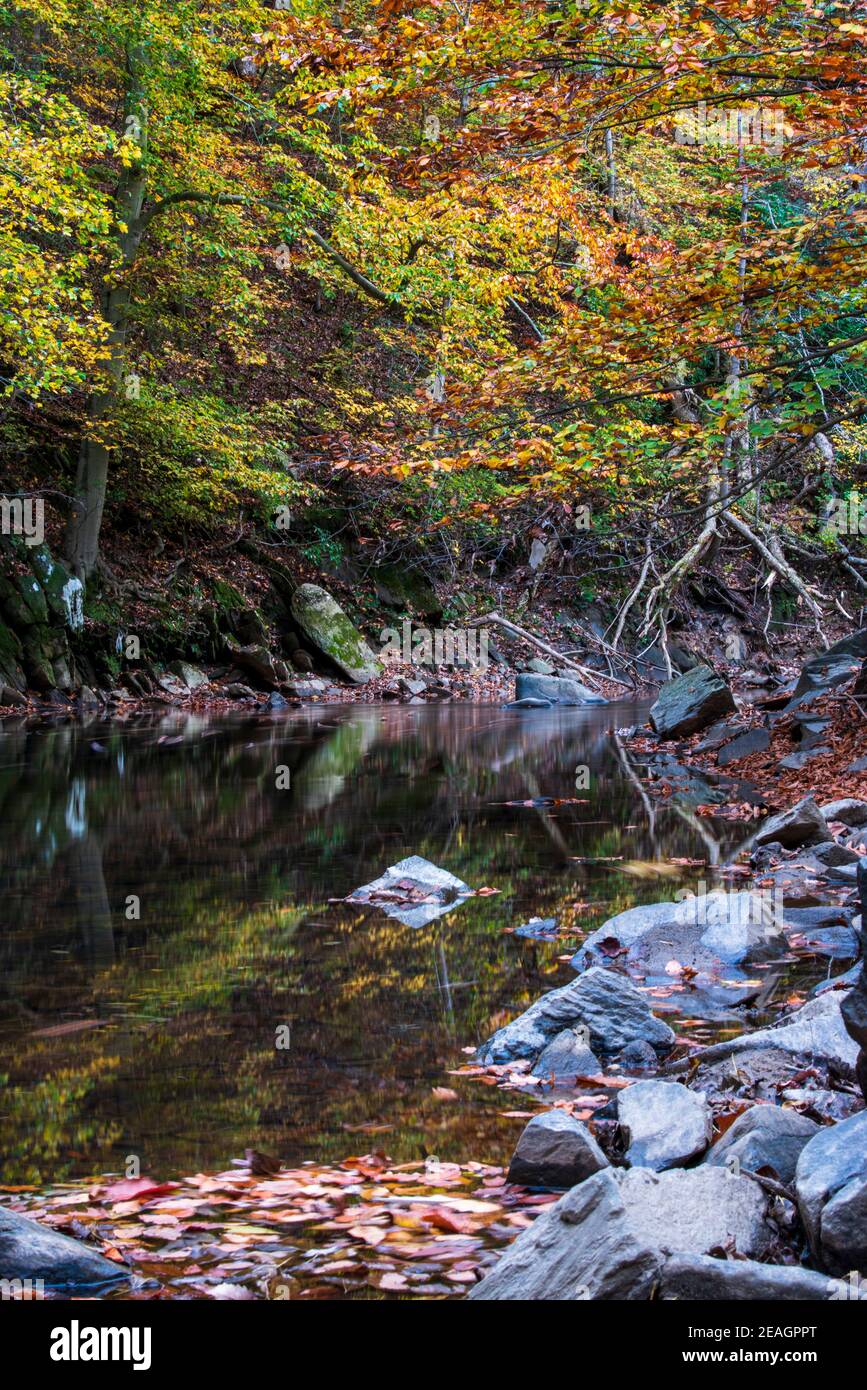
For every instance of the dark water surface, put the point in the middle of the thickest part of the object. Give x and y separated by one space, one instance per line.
156 1036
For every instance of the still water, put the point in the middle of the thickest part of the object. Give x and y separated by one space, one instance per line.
169 905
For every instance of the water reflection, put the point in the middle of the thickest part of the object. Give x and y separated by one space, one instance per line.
170 908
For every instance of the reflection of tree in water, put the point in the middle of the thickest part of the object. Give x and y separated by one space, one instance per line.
237 935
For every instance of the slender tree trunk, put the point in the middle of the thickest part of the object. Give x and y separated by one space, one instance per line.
85 519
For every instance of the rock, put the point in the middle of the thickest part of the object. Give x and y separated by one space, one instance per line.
793 762
87 698
540 667
753 741
411 687
406 590
568 1056
832 855
826 669
414 892
301 660
765 1136
708 933
10 696
609 1005
238 691
701 1278
528 704
695 1210
557 690
258 661
555 1150
305 690
610 1236
192 676
276 701
831 1184
859 765
583 1247
690 703
664 1124
816 1032
31 1251
638 1056
802 824
327 627
848 810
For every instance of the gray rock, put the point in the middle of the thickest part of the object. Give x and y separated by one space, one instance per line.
192 676
690 703
802 824
540 667
753 741
609 1005
847 809
327 628
701 1278
31 1251
664 1124
832 855
694 1210
638 1056
258 661
87 698
831 1183
414 892
609 1238
816 1031
276 700
823 670
793 762
305 690
859 765
766 1136
559 690
528 704
582 1247
555 1150
568 1056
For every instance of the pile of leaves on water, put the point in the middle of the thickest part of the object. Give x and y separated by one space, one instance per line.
362 1229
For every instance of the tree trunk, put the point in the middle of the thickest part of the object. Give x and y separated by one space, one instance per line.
85 519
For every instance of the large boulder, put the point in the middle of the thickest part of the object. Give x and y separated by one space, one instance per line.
557 690
831 1184
606 1004
690 703
802 824
611 1236
663 1123
765 1136
847 810
326 627
31 1251
555 1150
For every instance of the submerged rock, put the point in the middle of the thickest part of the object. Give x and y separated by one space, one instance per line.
664 1124
557 690
31 1251
414 892
555 1150
690 703
327 628
609 1005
